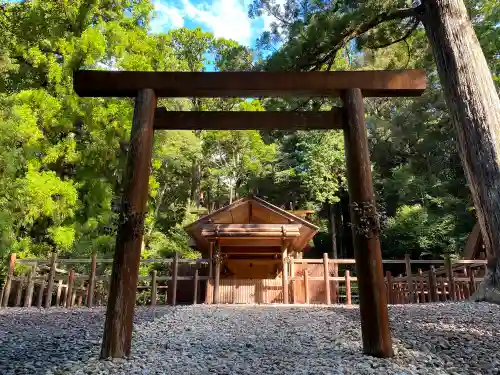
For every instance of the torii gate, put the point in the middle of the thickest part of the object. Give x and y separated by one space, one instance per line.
351 86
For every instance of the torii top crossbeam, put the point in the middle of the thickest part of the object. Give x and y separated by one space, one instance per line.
373 83
147 86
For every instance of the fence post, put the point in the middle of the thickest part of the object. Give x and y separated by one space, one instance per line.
284 278
348 286
50 283
401 290
306 285
73 296
175 267
210 274
442 286
29 291
420 288
326 275
432 285
59 291
39 298
8 280
451 281
153 288
218 261
335 289
466 288
91 287
409 279
292 275
19 292
69 288
472 282
390 298
195 288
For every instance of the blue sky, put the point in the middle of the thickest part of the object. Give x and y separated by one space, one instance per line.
224 18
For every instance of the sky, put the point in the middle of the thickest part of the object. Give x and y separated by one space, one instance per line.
224 18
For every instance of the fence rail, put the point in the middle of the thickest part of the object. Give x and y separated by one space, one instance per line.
306 281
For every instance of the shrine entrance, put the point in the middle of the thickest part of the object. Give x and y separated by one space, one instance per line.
145 87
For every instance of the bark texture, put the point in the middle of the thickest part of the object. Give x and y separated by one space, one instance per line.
474 107
117 336
365 229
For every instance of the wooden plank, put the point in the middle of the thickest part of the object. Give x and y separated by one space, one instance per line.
175 271
348 286
29 291
91 282
269 120
372 297
50 284
427 261
117 337
378 83
154 294
343 261
326 275
250 227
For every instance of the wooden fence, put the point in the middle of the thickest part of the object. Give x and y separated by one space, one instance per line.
41 282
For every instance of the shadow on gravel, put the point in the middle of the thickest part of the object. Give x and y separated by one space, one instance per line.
36 341
439 330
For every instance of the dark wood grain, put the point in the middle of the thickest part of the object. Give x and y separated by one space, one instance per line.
248 120
123 284
249 84
372 294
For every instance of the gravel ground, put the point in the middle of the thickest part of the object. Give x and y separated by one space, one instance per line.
448 338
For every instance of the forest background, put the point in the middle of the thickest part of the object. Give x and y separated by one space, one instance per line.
62 157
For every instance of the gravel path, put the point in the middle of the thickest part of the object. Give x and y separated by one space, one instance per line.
451 338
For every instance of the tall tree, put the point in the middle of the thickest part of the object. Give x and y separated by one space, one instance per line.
465 78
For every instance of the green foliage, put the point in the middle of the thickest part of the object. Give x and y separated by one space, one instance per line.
62 157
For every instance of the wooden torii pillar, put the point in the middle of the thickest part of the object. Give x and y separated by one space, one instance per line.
145 87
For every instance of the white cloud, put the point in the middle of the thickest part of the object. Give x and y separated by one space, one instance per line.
166 17
224 18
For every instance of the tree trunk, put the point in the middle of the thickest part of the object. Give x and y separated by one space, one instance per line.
346 230
338 226
474 107
333 232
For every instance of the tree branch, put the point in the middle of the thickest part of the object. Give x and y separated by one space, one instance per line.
358 30
403 38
